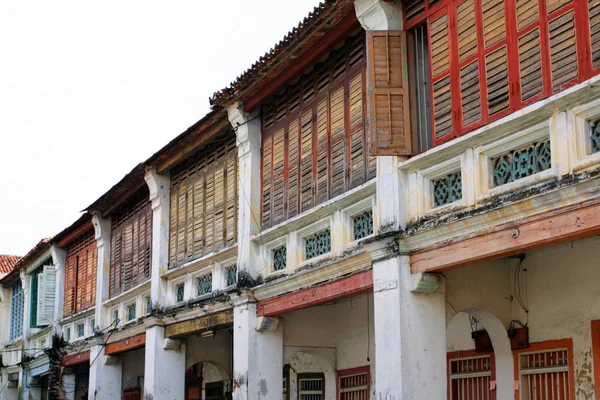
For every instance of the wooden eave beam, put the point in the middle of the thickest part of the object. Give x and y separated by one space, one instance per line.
77 358
75 233
188 149
343 288
344 28
542 231
126 344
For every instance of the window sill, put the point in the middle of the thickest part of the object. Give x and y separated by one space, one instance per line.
126 295
316 213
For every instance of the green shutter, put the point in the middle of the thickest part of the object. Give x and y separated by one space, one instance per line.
33 305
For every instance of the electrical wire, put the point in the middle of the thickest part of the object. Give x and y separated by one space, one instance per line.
517 286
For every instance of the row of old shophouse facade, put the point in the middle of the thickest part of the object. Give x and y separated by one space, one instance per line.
399 201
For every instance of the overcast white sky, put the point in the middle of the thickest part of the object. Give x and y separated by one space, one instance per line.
90 89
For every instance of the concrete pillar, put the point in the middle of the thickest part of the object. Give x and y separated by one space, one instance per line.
160 189
410 332
106 372
391 207
102 228
247 127
69 384
164 373
257 357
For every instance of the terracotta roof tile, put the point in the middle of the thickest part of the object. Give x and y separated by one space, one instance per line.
298 40
7 263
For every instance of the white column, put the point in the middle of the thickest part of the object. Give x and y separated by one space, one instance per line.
69 380
410 328
102 228
59 257
257 357
249 143
106 372
160 188
391 206
164 373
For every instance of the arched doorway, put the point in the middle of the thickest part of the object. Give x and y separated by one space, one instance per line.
309 371
205 381
467 369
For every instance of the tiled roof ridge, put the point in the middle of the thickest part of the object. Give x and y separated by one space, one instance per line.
296 34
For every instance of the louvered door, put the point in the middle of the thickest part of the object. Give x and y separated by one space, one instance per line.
314 139
80 274
204 202
492 57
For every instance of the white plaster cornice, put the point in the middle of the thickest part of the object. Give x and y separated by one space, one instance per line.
379 15
159 187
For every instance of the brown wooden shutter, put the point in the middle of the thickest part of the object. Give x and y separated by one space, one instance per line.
204 202
277 197
306 162
70 285
439 34
594 21
388 92
322 124
292 166
267 173
357 131
338 145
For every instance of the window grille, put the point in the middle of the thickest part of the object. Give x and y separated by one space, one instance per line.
594 127
544 375
179 292
16 311
131 312
204 285
280 258
318 244
470 378
92 326
311 386
447 189
363 225
231 275
520 163
354 383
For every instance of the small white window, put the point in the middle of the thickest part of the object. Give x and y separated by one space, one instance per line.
67 334
148 305
131 312
80 329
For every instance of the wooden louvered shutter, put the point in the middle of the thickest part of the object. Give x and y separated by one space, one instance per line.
357 132
306 161
70 285
496 57
322 153
439 32
209 239
126 272
563 47
92 273
267 173
388 92
46 293
594 21
338 140
532 69
293 170
277 188
232 198
81 275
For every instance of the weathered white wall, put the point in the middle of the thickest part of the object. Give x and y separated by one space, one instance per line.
133 367
563 298
329 338
215 349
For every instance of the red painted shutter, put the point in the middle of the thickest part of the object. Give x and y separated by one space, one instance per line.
70 285
389 123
